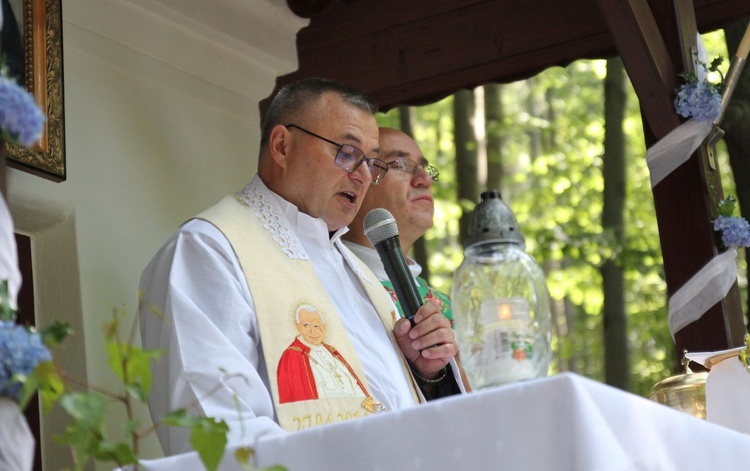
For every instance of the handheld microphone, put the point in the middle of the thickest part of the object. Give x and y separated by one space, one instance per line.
382 232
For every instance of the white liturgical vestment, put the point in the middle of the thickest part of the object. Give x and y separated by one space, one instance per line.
210 326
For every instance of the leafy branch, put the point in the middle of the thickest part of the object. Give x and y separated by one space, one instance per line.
29 369
85 435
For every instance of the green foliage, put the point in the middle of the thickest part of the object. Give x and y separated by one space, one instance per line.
46 380
244 454
7 313
54 334
87 410
552 155
745 354
208 436
727 206
131 364
84 434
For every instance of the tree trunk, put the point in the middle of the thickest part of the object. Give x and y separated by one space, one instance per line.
736 124
493 116
616 355
467 189
419 249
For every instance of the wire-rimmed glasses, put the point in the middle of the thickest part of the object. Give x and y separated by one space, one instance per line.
349 157
402 164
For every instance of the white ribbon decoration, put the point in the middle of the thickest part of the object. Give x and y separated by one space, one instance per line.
712 283
706 288
675 148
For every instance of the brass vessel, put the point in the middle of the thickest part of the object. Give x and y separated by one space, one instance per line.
685 392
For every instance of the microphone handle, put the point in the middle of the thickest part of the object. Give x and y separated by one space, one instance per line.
401 278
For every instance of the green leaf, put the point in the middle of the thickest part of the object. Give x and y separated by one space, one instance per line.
180 418
209 439
136 391
7 313
47 381
132 365
131 426
81 441
54 334
120 453
86 408
726 206
84 433
243 455
714 67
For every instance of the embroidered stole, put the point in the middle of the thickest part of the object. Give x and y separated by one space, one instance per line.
294 313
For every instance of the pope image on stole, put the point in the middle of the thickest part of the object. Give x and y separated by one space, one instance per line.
312 369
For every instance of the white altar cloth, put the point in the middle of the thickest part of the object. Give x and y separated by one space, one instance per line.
563 422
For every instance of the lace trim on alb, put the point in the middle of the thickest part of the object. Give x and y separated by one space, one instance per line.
258 197
347 254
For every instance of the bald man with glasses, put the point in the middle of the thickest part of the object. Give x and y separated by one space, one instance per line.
406 192
231 280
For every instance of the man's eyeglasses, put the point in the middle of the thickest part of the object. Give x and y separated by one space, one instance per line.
402 164
350 158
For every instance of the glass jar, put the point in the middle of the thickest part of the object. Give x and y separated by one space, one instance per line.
500 302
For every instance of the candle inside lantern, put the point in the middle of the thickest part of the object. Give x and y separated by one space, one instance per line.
508 340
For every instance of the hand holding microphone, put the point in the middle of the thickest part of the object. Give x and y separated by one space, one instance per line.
382 232
429 344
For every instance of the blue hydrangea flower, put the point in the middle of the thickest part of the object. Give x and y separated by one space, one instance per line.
699 100
20 352
735 231
21 120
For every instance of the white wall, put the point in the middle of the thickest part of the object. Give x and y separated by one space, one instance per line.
161 120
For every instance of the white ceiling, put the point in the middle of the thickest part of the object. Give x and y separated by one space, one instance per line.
265 25
224 42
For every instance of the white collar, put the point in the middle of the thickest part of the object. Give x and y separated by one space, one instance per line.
285 221
287 224
371 258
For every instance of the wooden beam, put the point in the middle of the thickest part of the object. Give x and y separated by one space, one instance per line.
640 44
419 51
684 201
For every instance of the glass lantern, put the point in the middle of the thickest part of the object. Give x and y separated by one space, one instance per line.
500 300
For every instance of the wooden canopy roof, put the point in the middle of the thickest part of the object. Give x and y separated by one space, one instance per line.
419 51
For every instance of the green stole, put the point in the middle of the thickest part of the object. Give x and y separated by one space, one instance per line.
280 284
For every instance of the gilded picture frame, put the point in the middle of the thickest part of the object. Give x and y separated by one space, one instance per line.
43 77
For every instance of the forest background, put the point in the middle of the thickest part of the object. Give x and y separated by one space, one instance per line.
566 150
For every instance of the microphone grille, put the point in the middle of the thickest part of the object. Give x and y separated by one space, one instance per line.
379 224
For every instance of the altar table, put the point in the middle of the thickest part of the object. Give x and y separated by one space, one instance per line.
562 422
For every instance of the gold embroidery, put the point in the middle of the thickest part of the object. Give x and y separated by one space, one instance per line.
371 405
309 420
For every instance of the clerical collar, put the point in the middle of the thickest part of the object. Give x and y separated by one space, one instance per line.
371 258
268 203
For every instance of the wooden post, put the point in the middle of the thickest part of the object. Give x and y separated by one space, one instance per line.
684 204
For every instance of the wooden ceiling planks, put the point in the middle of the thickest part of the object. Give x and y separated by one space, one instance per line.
419 51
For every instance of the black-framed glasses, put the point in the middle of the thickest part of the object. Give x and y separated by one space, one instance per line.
350 157
402 164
